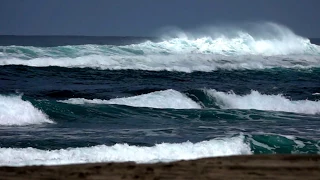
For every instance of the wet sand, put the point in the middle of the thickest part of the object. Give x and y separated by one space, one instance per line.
232 167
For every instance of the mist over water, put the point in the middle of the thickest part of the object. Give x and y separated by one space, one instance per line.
227 48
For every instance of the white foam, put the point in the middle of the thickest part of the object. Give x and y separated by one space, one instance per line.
277 46
159 99
271 39
15 111
256 100
182 63
284 42
164 152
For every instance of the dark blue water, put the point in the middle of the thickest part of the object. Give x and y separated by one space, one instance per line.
91 99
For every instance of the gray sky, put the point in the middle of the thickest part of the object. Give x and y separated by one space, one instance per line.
145 17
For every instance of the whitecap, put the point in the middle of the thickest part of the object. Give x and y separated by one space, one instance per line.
164 152
160 99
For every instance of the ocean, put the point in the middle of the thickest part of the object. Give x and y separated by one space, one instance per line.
78 99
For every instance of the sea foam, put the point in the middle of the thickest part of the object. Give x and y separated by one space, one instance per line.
160 99
182 63
164 152
256 100
15 111
278 46
272 39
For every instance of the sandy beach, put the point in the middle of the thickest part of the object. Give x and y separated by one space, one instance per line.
233 167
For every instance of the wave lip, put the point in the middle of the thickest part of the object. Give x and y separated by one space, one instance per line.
15 111
256 100
164 152
160 99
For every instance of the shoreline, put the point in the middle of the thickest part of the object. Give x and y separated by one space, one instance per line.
228 167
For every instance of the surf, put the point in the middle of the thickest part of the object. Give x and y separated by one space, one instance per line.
170 99
17 112
211 99
163 152
274 46
256 100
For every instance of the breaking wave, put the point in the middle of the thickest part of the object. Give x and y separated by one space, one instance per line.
256 100
181 63
225 100
15 111
274 39
164 152
159 99
278 46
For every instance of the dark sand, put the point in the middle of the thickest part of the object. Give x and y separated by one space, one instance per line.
234 167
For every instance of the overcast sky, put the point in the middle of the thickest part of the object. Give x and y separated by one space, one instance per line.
145 17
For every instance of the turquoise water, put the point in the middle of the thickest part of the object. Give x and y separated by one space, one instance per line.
158 100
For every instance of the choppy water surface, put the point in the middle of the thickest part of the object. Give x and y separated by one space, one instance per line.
158 100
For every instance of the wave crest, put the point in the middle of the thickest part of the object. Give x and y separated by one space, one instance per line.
273 46
268 39
15 111
123 152
159 99
256 100
181 63
173 99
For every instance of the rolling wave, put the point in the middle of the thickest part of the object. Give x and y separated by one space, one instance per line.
181 63
164 152
276 40
159 99
123 152
256 100
242 50
15 111
224 100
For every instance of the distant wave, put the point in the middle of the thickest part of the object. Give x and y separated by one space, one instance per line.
256 100
15 111
181 63
159 99
274 40
124 152
278 46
